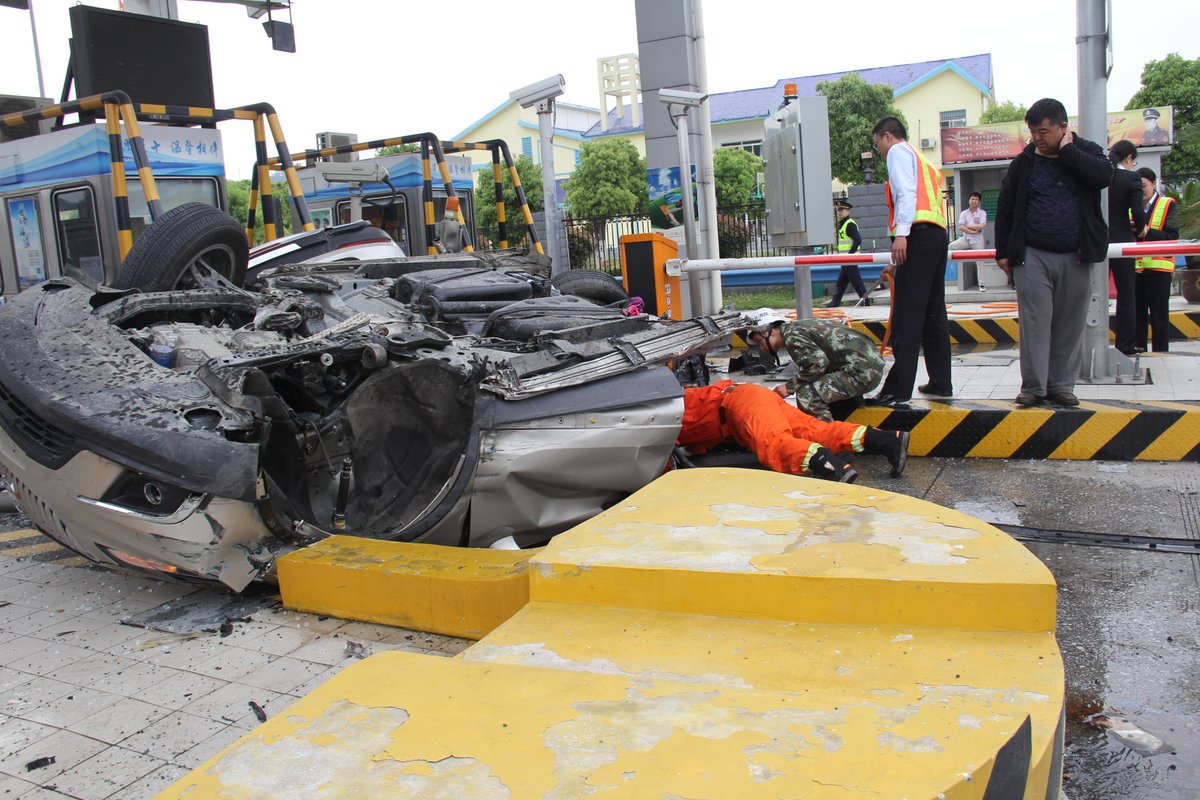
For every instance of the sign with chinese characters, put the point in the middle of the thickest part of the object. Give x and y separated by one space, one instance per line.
1145 127
26 234
179 151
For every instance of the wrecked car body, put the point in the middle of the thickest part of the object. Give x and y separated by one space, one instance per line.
200 434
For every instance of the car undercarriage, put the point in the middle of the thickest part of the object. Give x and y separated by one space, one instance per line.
457 400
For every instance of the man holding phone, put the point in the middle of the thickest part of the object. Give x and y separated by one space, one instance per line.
1049 231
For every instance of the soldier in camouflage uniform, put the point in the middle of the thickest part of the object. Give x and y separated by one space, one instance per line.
833 362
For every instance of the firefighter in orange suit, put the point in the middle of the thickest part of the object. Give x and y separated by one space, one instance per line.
781 436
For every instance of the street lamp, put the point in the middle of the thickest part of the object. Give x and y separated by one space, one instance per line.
868 168
541 95
678 102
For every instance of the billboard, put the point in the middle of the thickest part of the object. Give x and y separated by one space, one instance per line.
1002 141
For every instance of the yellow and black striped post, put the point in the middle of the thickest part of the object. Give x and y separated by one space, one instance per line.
520 190
427 197
262 182
134 136
112 125
252 205
501 216
448 182
289 169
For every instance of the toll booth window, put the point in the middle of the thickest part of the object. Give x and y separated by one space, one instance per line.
78 235
172 192
392 219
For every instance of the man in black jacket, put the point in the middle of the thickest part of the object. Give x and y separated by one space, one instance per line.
1126 220
1049 231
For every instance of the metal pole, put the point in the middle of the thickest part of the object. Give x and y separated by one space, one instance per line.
695 294
1093 124
707 174
545 110
37 57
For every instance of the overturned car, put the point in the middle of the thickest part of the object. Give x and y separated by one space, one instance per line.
458 400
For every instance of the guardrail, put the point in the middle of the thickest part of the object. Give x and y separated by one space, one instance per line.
803 264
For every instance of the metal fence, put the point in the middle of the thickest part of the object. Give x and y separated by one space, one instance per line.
594 243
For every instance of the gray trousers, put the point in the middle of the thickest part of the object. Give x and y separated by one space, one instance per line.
1052 300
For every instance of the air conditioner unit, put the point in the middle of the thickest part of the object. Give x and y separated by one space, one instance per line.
331 139
928 144
14 104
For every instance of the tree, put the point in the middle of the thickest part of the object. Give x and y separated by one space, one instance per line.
485 197
1007 111
1175 81
239 201
735 172
609 181
396 149
854 108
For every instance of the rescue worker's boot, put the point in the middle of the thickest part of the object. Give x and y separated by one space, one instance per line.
893 445
824 464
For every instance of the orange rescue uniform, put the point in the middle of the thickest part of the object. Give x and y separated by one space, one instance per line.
781 436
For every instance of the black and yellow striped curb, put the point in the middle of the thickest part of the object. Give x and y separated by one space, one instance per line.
1096 430
35 546
1005 330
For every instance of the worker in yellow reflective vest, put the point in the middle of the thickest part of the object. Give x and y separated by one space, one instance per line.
849 240
918 228
1153 288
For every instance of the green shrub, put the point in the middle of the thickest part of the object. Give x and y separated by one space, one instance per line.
733 238
580 250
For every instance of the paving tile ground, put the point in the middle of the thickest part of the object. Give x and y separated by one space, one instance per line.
125 711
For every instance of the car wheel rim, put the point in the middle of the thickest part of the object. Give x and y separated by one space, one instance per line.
218 259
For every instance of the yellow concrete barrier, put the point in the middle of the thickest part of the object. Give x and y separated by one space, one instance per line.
720 634
456 591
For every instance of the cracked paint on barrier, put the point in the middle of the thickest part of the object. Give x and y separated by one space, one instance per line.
356 737
606 729
537 654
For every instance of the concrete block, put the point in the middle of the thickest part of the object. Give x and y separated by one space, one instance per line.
456 591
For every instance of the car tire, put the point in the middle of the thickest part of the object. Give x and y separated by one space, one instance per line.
590 284
193 234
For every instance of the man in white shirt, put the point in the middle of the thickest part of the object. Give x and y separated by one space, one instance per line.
918 227
971 223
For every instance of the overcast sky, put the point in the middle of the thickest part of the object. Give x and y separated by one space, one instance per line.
383 67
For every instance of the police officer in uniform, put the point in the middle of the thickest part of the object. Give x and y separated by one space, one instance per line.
1153 134
849 240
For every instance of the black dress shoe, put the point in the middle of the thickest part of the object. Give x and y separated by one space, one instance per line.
882 399
929 388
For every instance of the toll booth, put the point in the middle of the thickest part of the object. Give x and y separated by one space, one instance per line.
643 259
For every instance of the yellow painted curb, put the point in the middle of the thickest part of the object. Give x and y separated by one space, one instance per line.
456 591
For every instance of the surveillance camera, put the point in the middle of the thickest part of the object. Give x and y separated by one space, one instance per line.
681 97
538 92
352 172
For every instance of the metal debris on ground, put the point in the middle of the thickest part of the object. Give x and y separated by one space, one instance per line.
159 641
356 650
204 612
39 763
258 711
1130 735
